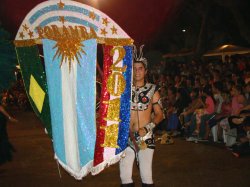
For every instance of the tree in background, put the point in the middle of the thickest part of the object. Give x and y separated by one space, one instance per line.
8 60
204 25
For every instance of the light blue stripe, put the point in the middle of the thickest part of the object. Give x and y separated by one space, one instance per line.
41 12
80 10
69 19
53 73
86 88
51 8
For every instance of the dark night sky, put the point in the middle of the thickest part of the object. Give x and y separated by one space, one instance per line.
159 23
141 19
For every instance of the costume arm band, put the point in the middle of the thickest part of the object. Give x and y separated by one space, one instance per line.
159 103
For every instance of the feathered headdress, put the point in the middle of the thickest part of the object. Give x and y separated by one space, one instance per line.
139 57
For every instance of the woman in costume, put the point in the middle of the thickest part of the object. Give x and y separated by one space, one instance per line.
7 77
6 148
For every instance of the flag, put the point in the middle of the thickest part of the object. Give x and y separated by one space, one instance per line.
34 78
114 113
71 88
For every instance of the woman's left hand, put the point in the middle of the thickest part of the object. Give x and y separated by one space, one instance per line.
13 119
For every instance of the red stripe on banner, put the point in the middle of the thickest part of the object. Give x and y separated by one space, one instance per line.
105 96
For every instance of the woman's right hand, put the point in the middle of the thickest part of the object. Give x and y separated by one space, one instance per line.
13 119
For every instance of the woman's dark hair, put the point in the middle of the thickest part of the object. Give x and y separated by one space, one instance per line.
184 94
207 90
238 88
196 91
173 89
218 85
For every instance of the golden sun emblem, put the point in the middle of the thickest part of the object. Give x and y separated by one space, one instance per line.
69 48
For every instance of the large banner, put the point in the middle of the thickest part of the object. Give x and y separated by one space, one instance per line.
72 102
56 46
114 113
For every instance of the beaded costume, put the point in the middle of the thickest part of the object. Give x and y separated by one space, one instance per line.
141 98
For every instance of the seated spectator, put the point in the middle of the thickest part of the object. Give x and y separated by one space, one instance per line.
247 93
238 103
206 112
187 116
172 123
182 100
226 110
238 100
217 90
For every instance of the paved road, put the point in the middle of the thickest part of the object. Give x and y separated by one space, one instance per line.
182 164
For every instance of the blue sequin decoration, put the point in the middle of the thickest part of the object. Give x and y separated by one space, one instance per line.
42 11
125 103
51 8
81 22
69 19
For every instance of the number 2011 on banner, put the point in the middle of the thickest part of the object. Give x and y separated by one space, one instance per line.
116 83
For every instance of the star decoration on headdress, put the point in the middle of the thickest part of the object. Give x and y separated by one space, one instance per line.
25 27
21 35
105 21
62 19
114 30
92 15
60 5
103 32
30 34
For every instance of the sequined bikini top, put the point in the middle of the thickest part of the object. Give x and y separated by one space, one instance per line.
141 96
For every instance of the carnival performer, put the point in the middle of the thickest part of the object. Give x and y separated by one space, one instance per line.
6 148
141 144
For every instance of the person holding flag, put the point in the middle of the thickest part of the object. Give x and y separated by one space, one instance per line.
141 144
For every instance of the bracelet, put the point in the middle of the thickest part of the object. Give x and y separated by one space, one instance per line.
146 129
150 126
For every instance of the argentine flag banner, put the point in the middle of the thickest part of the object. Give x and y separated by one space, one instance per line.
71 82
89 129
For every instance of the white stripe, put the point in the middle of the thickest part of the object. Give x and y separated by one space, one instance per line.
70 115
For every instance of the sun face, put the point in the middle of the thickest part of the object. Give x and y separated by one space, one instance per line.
68 48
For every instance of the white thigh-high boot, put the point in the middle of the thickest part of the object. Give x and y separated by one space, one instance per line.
145 165
126 166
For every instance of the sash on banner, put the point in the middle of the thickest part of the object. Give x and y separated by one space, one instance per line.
114 113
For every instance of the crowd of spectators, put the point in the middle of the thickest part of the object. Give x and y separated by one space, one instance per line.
201 101
16 96
207 101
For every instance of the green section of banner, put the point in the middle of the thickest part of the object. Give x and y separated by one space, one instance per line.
35 83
